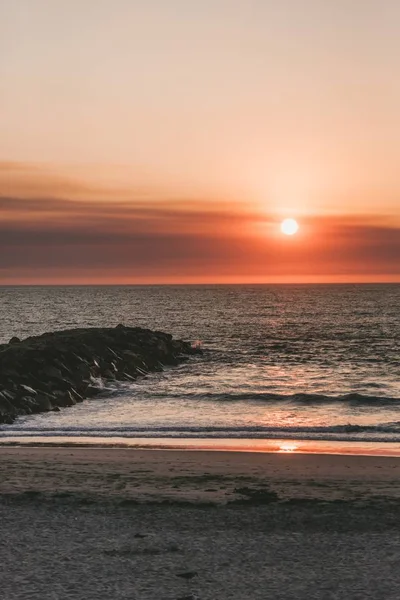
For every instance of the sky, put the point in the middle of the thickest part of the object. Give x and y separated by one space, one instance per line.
163 141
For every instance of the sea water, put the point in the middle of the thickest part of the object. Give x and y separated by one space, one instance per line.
311 362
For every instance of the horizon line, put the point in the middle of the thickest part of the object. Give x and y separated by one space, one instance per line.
203 284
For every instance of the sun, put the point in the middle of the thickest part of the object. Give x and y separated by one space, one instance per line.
289 226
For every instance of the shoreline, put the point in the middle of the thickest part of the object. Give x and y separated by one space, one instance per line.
234 445
196 476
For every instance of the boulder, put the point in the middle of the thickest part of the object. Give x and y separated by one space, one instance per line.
27 390
43 403
59 369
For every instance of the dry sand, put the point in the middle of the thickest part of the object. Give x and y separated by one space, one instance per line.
94 524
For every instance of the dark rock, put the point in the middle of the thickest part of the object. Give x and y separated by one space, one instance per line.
51 372
14 340
76 395
24 401
63 384
63 399
69 399
7 419
61 365
6 396
59 369
43 403
127 377
109 374
91 391
28 391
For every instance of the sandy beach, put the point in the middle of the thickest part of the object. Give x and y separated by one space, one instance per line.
200 477
105 523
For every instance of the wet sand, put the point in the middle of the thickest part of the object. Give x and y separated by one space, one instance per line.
94 524
194 476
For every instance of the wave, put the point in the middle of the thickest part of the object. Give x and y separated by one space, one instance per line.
384 432
300 398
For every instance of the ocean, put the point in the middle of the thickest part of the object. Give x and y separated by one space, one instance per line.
309 362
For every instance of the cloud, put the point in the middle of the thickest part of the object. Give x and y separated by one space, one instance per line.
32 181
134 241
57 228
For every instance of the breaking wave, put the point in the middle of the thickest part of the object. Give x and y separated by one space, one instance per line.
300 398
385 432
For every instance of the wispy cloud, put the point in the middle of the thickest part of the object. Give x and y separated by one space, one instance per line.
178 240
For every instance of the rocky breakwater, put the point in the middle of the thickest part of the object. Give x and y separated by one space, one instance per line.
59 369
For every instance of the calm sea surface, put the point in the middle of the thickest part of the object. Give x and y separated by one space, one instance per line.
310 362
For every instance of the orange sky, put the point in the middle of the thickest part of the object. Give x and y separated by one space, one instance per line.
163 142
60 230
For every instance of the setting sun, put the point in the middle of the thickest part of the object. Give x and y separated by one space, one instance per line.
289 226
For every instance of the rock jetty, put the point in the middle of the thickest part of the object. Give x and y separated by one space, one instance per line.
54 370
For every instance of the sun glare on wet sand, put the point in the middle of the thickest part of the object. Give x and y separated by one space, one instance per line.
289 226
288 447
